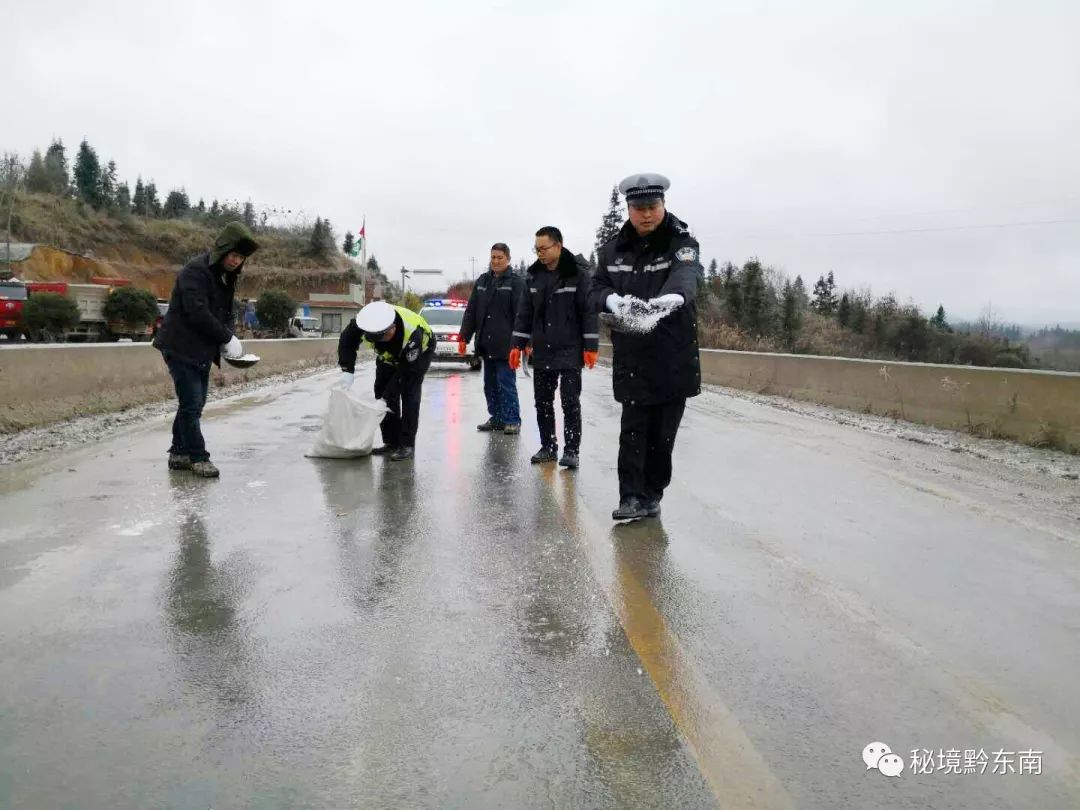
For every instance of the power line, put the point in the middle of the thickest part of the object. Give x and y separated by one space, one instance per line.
956 228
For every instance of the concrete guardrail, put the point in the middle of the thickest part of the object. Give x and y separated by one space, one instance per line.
44 384
40 385
1041 408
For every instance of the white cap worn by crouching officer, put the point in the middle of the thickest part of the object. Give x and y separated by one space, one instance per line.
374 319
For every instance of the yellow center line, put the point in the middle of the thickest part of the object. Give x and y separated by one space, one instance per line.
736 772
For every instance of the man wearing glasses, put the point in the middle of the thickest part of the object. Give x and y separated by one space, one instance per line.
652 266
404 346
555 317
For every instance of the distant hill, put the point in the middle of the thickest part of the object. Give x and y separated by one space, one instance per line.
77 242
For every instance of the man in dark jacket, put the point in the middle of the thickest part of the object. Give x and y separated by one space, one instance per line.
403 345
196 331
652 266
490 315
555 316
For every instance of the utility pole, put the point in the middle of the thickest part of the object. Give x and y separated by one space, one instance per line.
404 275
473 260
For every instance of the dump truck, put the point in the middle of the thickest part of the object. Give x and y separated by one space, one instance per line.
90 299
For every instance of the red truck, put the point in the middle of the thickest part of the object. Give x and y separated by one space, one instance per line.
91 298
13 295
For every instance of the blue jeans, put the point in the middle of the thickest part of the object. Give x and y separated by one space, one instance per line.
192 383
500 388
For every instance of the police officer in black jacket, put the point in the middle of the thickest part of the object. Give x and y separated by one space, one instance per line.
490 315
555 316
196 331
652 265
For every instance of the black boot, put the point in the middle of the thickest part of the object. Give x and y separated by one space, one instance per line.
630 509
569 459
385 450
545 455
490 425
652 507
402 454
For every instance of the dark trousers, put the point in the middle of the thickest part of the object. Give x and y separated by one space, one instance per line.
568 381
399 425
645 444
500 388
192 382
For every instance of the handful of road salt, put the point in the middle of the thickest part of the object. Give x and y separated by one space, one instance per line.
636 316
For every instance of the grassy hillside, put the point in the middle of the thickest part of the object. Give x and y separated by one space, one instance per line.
77 227
150 251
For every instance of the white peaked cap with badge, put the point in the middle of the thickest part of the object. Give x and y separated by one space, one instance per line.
644 188
378 316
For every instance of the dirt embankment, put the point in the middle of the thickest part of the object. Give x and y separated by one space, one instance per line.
157 273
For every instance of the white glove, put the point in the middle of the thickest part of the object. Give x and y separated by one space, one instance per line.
346 380
233 348
669 301
613 302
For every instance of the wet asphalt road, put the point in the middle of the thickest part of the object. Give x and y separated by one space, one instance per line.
470 631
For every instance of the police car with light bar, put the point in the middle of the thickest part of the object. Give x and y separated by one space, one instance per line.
444 316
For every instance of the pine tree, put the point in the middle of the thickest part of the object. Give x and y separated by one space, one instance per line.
612 221
939 322
249 215
373 266
592 262
37 177
755 301
712 270
732 291
317 239
176 204
791 318
843 311
201 207
215 211
56 167
88 175
858 316
122 199
348 244
799 288
329 241
153 204
824 302
109 182
138 201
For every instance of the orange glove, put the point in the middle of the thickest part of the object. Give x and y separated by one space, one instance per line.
515 359
590 358
461 347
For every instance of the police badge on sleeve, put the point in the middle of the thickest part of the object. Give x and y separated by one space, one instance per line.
686 254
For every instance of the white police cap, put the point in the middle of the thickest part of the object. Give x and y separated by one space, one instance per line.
378 316
642 189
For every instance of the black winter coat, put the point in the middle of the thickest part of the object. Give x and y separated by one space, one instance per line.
662 365
200 313
492 310
555 314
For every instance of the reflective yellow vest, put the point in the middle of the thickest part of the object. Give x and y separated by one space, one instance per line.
412 322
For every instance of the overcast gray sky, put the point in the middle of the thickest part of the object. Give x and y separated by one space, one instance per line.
785 127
